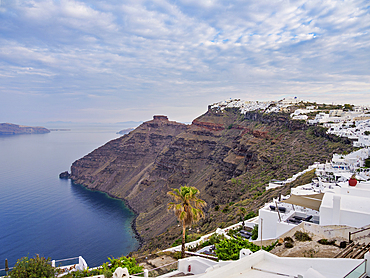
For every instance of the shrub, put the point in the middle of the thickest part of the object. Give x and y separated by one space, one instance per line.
367 162
108 267
255 232
177 255
288 244
215 238
108 274
250 215
301 236
128 262
229 249
33 268
288 239
324 241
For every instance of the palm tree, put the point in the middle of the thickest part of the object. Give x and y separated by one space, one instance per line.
242 213
187 208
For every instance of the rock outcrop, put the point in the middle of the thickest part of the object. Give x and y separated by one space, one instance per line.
64 175
12 129
229 156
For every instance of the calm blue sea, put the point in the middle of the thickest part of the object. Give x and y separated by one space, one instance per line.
41 214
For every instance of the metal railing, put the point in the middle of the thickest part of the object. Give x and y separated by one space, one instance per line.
358 271
352 233
4 271
163 269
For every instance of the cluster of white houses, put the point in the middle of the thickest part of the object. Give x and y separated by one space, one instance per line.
246 106
354 124
328 200
330 206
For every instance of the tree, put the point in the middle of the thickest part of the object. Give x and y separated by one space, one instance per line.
187 208
242 213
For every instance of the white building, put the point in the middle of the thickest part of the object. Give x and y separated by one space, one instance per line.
262 264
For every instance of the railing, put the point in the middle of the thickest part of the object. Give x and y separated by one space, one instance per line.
3 272
358 272
59 264
161 270
352 233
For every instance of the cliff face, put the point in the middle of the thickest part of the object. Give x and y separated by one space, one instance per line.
12 129
230 157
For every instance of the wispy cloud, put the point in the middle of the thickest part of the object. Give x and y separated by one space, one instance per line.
157 55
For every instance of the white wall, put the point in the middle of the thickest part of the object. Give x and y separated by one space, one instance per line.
269 224
197 265
354 210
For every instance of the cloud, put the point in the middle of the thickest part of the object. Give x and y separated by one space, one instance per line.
151 54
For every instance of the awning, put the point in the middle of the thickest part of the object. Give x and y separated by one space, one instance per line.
312 201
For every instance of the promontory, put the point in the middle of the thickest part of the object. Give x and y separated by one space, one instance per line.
13 129
229 154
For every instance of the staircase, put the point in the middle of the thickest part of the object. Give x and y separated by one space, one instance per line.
354 251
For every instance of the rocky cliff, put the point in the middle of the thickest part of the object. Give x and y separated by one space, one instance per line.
229 156
12 129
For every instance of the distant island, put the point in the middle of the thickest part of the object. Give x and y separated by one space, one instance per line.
12 129
125 131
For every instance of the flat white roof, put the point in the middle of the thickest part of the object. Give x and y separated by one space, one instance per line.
264 264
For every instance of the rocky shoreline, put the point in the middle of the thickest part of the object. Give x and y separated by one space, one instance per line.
67 175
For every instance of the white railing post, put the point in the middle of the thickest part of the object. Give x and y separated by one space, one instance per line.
146 273
53 263
82 263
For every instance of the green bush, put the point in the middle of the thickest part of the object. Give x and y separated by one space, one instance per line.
128 262
215 238
109 267
288 244
301 236
367 162
255 232
229 249
108 274
37 267
250 215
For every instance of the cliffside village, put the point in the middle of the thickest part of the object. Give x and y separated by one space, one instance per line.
333 206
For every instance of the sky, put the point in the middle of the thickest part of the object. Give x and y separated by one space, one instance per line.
114 61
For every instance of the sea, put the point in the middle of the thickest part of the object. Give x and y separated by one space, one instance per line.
42 214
